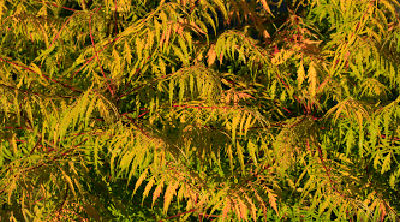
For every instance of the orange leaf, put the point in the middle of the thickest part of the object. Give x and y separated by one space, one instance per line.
265 6
272 201
212 55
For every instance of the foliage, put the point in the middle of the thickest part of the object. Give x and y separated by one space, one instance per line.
149 110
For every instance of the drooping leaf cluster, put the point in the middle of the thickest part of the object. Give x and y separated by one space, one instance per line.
148 110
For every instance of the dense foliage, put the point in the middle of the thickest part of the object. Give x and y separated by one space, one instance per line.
199 110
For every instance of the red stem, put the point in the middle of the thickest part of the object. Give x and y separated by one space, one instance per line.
43 75
62 27
97 57
91 58
55 5
178 215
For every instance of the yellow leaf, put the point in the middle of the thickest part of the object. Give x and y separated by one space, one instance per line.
310 42
13 141
169 194
312 79
235 122
343 5
38 71
226 209
359 119
2 6
69 181
168 34
247 124
139 48
128 55
10 188
300 74
148 187
126 160
241 156
141 179
200 56
386 164
324 206
253 209
252 150
241 125
389 6
221 6
230 155
392 180
157 191
242 209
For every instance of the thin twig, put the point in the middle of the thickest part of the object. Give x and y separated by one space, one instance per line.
97 57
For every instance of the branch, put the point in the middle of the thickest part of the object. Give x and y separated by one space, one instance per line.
42 74
97 57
